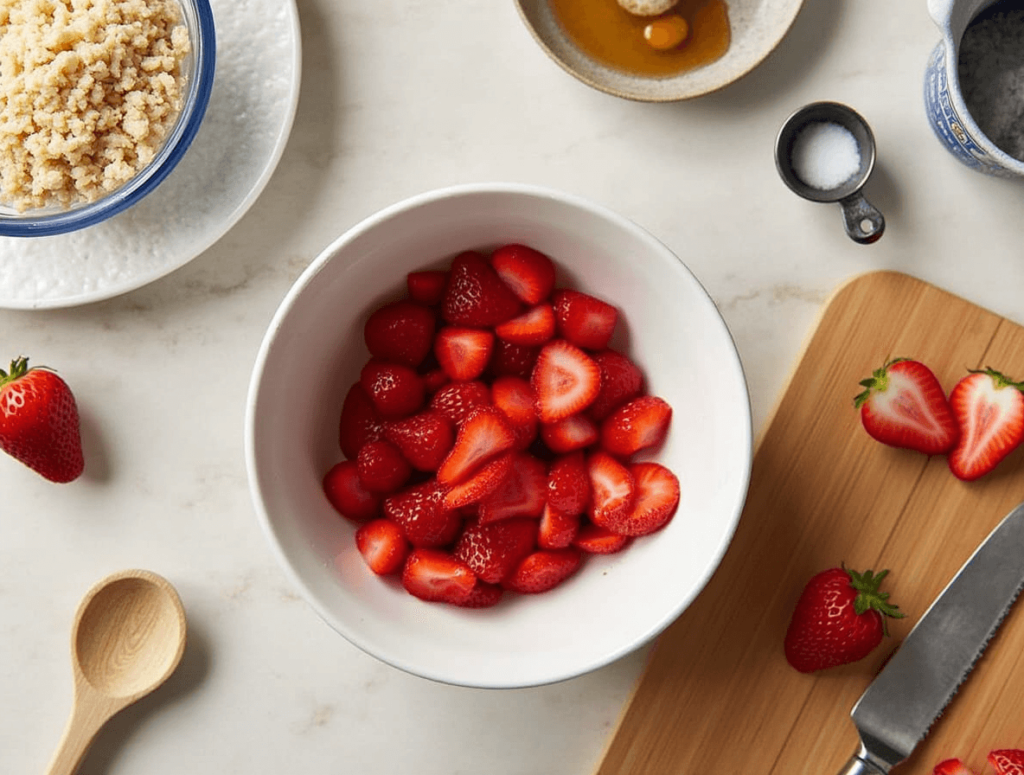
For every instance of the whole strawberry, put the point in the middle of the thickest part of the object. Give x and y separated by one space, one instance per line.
839 618
39 422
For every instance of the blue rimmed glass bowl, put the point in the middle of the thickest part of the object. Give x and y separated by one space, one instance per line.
198 72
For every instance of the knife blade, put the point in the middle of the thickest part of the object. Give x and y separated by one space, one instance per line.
900 705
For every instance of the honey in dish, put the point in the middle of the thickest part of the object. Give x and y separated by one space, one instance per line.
613 36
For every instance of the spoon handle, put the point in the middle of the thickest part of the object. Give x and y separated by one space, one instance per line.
88 715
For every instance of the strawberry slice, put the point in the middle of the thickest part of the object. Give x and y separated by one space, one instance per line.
534 327
612 488
568 484
556 530
481 484
483 435
359 422
475 295
419 510
543 570
424 439
571 433
515 397
513 359
903 405
402 332
493 551
989 408
565 379
528 272
484 595
427 286
462 352
456 400
638 424
952 767
383 546
394 389
1007 761
656 497
381 466
346 493
437 577
621 380
522 493
584 320
594 539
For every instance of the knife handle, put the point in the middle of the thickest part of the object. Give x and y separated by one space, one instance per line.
860 766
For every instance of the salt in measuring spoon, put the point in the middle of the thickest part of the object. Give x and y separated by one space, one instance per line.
825 153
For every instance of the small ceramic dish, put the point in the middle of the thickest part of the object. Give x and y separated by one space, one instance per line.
757 27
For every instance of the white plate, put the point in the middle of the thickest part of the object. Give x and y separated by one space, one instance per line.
255 93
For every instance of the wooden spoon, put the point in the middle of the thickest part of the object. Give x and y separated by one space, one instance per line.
127 639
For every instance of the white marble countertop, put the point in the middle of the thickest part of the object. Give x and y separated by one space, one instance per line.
398 98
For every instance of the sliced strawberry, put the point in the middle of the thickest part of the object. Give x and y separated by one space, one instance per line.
569 484
483 435
492 550
463 352
952 767
396 390
989 408
484 595
457 399
513 359
1007 761
654 503
348 496
612 488
419 510
903 405
427 286
570 433
543 570
475 296
523 492
565 379
479 485
637 424
594 539
424 439
533 328
556 530
401 332
437 577
621 380
383 546
584 320
359 422
528 272
382 467
515 397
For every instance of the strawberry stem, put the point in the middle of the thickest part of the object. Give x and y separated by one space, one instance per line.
19 368
999 379
879 381
870 598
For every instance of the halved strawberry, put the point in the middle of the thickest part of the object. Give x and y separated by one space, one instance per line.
556 530
480 484
543 570
1007 761
570 433
401 332
637 424
612 488
656 497
419 510
427 286
396 390
584 320
594 539
903 405
621 380
568 484
565 379
528 272
513 359
382 467
457 399
475 296
989 409
521 494
383 546
952 767
424 439
492 550
463 352
437 577
515 397
533 328
484 595
483 435
359 422
348 496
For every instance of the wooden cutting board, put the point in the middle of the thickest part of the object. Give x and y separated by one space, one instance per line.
717 695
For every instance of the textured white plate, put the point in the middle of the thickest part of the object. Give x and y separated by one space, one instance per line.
255 93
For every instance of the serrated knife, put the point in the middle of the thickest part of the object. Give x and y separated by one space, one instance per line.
900 705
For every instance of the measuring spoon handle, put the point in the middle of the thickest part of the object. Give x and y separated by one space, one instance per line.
864 223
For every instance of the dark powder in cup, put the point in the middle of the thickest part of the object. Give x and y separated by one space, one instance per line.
991 70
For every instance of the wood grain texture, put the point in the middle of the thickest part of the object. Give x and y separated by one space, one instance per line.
717 694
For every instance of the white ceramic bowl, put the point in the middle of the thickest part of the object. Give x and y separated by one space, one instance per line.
313 352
